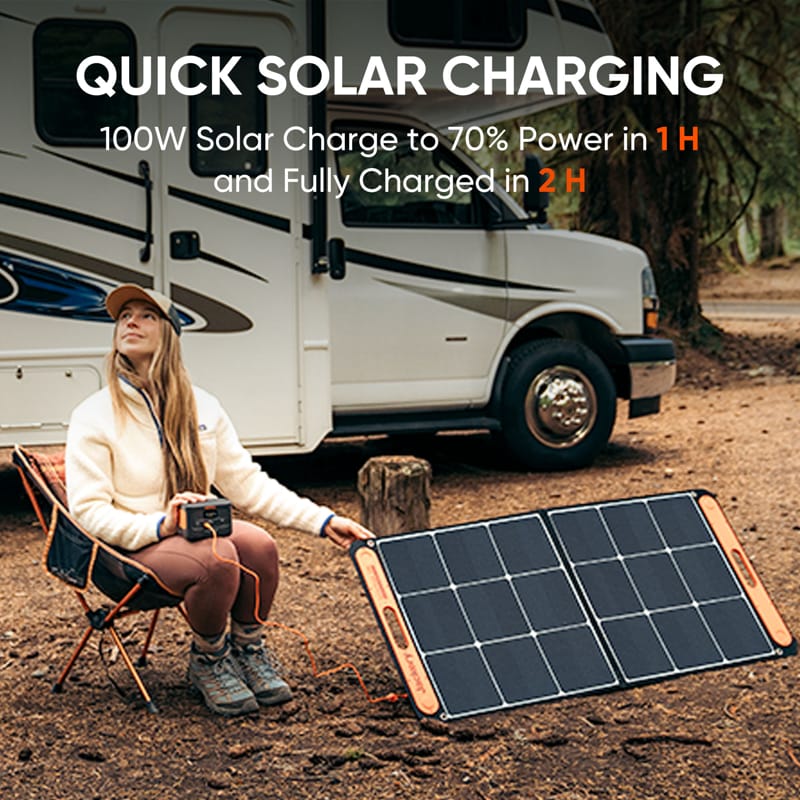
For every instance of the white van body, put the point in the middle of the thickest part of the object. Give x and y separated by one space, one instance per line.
456 313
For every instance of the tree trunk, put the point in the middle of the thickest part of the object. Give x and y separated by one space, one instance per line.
736 254
649 197
770 223
395 494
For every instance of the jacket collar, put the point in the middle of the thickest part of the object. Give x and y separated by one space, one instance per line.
142 403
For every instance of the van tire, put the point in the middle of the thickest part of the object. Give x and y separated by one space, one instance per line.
558 405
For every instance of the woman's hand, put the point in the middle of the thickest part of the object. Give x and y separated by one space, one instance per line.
169 524
344 531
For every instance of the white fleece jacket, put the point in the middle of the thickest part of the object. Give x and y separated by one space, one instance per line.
115 472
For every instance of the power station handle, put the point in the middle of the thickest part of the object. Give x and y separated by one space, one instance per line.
144 252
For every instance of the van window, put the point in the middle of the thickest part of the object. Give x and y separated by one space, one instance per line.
218 124
406 187
458 23
64 114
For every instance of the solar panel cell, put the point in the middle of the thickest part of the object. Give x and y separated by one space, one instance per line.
583 534
632 528
609 589
492 610
520 670
464 682
679 521
576 659
469 554
414 564
736 629
637 648
687 638
437 619
549 600
657 581
706 574
524 545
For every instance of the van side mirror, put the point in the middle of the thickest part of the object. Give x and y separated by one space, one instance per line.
336 259
535 201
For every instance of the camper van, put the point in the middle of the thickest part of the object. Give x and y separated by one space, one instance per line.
334 276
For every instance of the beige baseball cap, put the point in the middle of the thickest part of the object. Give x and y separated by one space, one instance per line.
116 299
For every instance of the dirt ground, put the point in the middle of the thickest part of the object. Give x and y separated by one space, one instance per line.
733 734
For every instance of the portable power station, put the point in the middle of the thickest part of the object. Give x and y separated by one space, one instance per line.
193 519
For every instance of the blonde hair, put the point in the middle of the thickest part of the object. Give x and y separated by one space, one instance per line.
174 404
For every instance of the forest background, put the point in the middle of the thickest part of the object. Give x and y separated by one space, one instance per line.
730 202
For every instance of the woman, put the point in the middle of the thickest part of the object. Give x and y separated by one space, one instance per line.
148 443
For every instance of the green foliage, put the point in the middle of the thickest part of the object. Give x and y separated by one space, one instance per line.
751 127
689 209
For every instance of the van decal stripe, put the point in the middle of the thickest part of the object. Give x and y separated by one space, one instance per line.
58 212
49 252
259 217
113 173
16 19
500 307
230 265
479 303
219 317
30 205
437 273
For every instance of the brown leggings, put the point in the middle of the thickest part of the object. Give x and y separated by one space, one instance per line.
212 590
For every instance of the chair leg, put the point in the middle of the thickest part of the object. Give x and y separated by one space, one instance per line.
58 686
142 660
101 621
148 701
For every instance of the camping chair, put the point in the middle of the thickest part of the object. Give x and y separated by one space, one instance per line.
80 560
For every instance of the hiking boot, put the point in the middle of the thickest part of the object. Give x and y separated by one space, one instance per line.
259 669
217 677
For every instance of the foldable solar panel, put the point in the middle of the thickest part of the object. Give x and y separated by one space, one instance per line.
567 601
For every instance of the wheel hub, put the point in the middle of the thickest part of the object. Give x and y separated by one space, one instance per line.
560 406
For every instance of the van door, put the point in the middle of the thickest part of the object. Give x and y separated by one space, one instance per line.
418 320
235 260
73 219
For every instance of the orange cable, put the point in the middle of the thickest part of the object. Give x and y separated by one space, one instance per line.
392 697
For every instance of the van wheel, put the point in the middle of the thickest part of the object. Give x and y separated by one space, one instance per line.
559 404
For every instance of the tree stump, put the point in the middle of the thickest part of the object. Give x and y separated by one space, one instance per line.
395 494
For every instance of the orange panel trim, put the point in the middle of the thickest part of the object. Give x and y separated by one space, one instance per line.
377 584
745 571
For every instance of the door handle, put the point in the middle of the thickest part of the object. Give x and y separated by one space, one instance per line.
145 252
184 245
